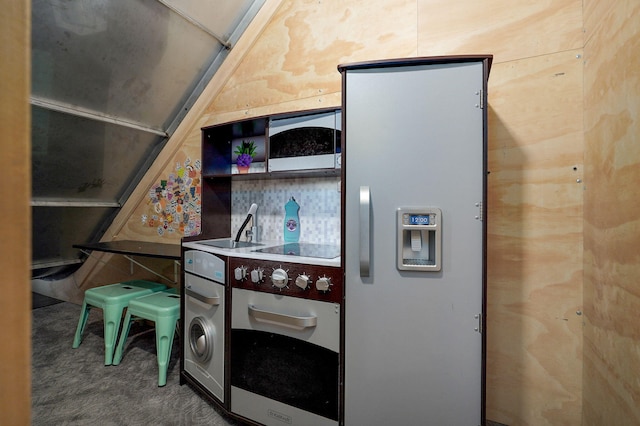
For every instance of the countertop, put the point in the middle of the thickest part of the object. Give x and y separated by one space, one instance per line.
251 253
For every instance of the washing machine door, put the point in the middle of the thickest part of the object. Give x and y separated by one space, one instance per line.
203 345
201 339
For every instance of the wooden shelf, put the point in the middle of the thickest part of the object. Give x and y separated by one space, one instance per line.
219 146
277 175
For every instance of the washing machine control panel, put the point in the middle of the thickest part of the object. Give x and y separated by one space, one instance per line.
205 264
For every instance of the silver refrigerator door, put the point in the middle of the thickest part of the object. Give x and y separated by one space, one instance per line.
413 351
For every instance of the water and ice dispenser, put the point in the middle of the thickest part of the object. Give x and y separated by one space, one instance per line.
419 239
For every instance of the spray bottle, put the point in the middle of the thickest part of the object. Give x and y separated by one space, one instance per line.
291 221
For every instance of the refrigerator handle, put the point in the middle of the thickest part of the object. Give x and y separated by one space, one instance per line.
365 231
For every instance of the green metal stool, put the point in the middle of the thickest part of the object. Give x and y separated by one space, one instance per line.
164 309
112 299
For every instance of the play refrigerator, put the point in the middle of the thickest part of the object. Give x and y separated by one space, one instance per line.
414 240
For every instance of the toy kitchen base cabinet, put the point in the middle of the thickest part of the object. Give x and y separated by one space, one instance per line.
265 346
283 339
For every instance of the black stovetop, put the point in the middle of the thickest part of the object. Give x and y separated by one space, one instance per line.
323 251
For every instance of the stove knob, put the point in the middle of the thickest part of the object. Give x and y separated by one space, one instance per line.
279 278
323 284
257 275
240 273
303 281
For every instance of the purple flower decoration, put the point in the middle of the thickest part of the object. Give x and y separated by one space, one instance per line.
244 160
245 152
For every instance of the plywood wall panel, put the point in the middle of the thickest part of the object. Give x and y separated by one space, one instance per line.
327 100
612 222
535 241
15 227
602 16
507 29
297 55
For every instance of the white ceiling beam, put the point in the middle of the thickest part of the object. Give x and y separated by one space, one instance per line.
49 202
196 23
92 115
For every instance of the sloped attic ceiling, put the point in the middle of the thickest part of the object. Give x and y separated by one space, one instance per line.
111 81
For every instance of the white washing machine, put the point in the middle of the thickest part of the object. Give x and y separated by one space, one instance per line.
204 315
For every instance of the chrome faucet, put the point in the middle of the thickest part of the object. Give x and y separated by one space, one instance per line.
250 215
255 230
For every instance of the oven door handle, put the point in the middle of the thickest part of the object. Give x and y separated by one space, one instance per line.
209 300
285 320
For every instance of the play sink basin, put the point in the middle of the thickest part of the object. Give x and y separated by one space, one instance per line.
229 243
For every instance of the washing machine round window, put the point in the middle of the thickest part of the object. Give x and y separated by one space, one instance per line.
201 338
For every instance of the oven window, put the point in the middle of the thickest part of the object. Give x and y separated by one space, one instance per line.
303 141
287 370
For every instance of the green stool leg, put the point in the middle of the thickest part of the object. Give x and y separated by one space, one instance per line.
163 308
126 327
112 317
84 315
165 330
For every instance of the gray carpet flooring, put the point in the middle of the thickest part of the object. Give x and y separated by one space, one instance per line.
74 387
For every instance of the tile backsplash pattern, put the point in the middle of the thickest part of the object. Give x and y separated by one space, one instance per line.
318 197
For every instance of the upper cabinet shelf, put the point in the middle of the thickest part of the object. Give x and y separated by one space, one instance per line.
280 145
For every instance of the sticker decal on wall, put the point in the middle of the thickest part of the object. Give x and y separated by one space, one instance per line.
174 203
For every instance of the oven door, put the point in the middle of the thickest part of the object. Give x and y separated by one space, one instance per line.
284 359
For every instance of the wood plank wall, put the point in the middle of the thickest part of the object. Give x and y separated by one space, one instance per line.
15 226
534 341
612 213
287 61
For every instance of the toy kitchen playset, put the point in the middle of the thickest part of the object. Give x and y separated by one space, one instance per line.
340 274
